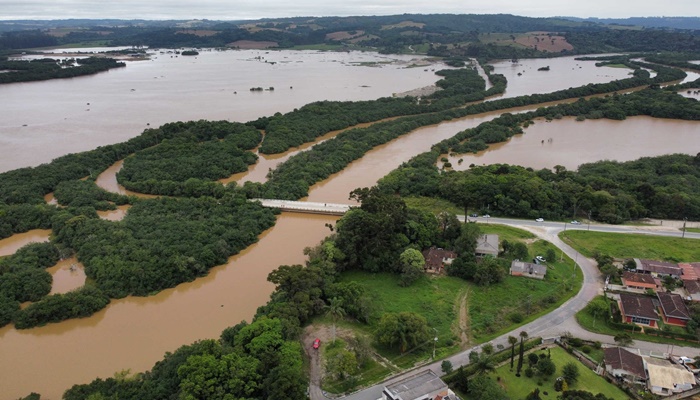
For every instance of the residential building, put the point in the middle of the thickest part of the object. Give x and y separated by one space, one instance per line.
437 258
529 270
487 245
693 289
689 272
624 365
638 281
425 385
638 310
666 378
673 309
658 268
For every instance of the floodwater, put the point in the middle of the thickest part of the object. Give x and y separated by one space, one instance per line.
134 333
571 143
82 113
11 244
564 73
68 274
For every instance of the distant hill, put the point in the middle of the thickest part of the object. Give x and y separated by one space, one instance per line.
647 22
453 36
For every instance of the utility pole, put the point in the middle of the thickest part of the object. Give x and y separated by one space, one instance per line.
589 220
684 221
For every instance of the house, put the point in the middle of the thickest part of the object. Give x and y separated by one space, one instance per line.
530 270
487 245
437 258
666 378
425 385
638 310
624 365
658 268
689 273
638 281
673 309
693 289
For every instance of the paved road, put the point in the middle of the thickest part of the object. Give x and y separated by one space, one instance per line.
562 319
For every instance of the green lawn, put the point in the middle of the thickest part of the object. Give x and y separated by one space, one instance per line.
505 232
370 372
620 245
433 205
520 387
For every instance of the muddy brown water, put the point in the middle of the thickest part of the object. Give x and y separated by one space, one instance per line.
134 333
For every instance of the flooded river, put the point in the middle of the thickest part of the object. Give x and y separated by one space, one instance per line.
134 333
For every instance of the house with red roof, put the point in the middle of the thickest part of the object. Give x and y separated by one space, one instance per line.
673 309
638 310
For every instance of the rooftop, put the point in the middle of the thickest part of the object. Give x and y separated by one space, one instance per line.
663 374
692 287
527 268
673 305
689 272
638 306
619 358
659 267
638 278
416 386
487 244
434 257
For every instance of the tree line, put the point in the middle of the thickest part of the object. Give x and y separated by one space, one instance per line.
48 68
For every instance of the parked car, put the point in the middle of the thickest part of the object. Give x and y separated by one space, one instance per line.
540 259
317 343
574 222
540 220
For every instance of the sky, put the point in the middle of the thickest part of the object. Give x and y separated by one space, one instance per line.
255 9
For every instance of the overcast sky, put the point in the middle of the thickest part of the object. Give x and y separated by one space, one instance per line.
255 9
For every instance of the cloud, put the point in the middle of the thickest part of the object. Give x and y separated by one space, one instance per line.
254 9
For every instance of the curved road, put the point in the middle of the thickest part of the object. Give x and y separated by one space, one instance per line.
562 319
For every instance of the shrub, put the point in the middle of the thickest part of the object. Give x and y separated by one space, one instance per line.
576 342
529 372
516 317
586 349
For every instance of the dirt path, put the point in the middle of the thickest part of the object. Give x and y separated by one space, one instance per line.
463 320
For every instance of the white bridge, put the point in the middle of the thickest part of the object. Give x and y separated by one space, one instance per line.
306 206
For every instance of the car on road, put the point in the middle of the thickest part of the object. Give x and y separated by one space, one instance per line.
540 259
540 220
317 343
574 222
486 216
474 215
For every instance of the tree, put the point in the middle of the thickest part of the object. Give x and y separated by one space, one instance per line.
523 336
446 367
570 372
534 395
512 340
343 364
412 263
402 330
550 255
546 367
482 363
335 311
623 339
485 388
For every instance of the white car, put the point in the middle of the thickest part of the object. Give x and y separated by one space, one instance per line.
540 259
539 220
574 222
486 216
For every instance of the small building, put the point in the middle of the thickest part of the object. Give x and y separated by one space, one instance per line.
624 365
673 309
437 258
424 385
487 245
638 281
693 289
529 270
658 268
689 273
666 378
638 310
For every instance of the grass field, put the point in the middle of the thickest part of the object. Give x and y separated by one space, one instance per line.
433 205
520 387
620 245
371 371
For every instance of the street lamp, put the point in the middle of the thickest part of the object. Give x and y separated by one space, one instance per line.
435 342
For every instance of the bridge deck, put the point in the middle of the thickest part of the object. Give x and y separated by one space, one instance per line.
305 206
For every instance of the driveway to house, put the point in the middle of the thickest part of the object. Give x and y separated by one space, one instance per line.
561 320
